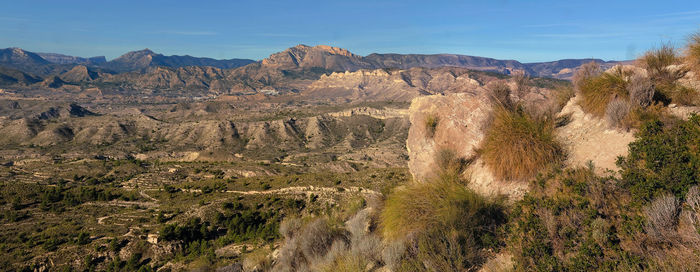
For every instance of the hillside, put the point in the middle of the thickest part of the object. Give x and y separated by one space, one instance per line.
142 59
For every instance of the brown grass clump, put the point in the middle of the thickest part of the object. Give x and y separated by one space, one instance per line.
692 53
500 93
684 95
638 116
518 145
597 92
657 62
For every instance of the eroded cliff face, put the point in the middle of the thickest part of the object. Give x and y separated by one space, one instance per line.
459 126
462 119
458 122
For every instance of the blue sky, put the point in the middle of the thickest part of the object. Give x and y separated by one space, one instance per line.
527 31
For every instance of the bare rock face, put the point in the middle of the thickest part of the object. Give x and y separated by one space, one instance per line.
588 138
460 120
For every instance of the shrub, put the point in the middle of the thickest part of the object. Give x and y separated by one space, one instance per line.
517 146
661 215
641 90
598 91
309 245
616 112
571 220
431 123
662 160
317 237
638 116
684 95
692 199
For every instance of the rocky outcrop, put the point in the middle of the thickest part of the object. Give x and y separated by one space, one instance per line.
80 73
395 85
460 123
322 56
461 120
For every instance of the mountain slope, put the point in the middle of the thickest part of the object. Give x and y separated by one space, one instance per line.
65 59
142 59
9 76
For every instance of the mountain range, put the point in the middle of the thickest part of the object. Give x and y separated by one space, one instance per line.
293 69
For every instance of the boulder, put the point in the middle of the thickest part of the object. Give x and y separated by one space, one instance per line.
461 124
460 127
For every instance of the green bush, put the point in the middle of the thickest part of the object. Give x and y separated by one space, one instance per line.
663 160
570 221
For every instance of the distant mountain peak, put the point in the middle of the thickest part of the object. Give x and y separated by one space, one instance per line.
145 51
317 56
335 50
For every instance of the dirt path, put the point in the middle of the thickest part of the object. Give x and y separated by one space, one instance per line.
298 190
143 194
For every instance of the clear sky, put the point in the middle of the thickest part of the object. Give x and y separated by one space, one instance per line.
527 31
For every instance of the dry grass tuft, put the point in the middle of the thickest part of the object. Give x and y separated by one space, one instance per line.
499 93
638 116
420 207
657 62
597 92
563 95
684 95
518 145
